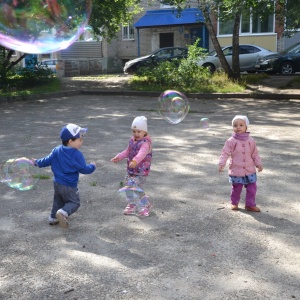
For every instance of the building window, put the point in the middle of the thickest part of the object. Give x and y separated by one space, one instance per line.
162 5
250 23
127 32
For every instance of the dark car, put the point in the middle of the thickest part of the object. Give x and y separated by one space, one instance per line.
163 54
286 62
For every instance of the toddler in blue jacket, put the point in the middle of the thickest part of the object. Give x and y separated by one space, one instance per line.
66 163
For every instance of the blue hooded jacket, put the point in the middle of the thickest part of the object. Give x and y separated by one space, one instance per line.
66 164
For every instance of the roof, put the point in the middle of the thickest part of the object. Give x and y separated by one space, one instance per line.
169 17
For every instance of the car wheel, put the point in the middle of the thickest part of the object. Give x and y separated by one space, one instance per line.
286 68
210 67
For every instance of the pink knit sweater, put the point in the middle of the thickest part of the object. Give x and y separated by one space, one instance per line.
243 156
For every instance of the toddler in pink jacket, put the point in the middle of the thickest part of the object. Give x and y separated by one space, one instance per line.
244 159
139 155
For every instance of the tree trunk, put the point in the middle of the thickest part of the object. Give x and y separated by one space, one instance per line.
235 47
215 41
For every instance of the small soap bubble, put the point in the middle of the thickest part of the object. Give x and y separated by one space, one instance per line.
173 106
204 123
42 26
20 173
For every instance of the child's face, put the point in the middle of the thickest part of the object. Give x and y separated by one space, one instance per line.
239 126
138 134
76 143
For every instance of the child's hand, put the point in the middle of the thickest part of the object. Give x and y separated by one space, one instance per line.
94 164
132 164
115 159
259 168
221 168
33 161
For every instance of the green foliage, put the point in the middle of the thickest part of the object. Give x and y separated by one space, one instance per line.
183 74
107 15
18 86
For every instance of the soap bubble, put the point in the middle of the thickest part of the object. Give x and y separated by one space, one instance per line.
131 193
20 173
204 122
42 26
173 106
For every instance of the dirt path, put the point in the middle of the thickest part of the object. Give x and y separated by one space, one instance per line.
192 247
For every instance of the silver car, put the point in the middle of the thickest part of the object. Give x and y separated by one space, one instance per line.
50 64
249 55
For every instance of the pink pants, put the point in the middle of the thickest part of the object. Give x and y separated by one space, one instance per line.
236 190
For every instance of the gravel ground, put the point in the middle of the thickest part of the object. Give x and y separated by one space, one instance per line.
192 246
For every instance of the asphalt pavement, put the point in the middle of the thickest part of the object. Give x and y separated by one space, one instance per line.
192 246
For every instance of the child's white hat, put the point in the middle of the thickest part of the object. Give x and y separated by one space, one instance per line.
140 123
240 117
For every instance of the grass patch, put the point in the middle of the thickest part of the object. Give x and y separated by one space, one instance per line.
25 87
94 77
41 176
218 83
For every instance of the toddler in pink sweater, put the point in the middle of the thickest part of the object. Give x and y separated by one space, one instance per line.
139 155
244 159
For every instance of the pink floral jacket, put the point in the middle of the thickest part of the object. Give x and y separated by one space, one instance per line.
243 156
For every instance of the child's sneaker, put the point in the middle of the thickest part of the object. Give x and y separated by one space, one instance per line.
62 219
130 209
144 212
52 221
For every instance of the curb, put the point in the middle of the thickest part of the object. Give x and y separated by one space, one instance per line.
266 96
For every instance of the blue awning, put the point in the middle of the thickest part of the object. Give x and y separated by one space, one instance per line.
170 17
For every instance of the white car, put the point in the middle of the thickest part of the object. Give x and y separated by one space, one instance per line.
249 55
50 63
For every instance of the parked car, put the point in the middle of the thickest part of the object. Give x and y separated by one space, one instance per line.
286 62
49 63
169 53
248 54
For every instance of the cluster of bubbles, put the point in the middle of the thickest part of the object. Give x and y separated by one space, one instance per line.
42 26
173 106
133 193
19 173
131 190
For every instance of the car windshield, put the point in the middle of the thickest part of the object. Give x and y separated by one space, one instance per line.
293 49
212 53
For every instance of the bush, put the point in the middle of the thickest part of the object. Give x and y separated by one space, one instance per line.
24 78
183 74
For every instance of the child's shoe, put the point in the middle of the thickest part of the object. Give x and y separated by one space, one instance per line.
62 219
234 207
52 221
130 209
144 212
252 208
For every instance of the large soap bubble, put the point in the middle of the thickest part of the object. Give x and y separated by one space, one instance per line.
173 106
42 26
20 173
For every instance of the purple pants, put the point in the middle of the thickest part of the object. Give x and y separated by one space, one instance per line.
236 190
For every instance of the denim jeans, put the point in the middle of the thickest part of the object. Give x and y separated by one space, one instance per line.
65 198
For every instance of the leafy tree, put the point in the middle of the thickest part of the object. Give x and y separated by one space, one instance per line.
105 19
107 15
232 10
6 64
